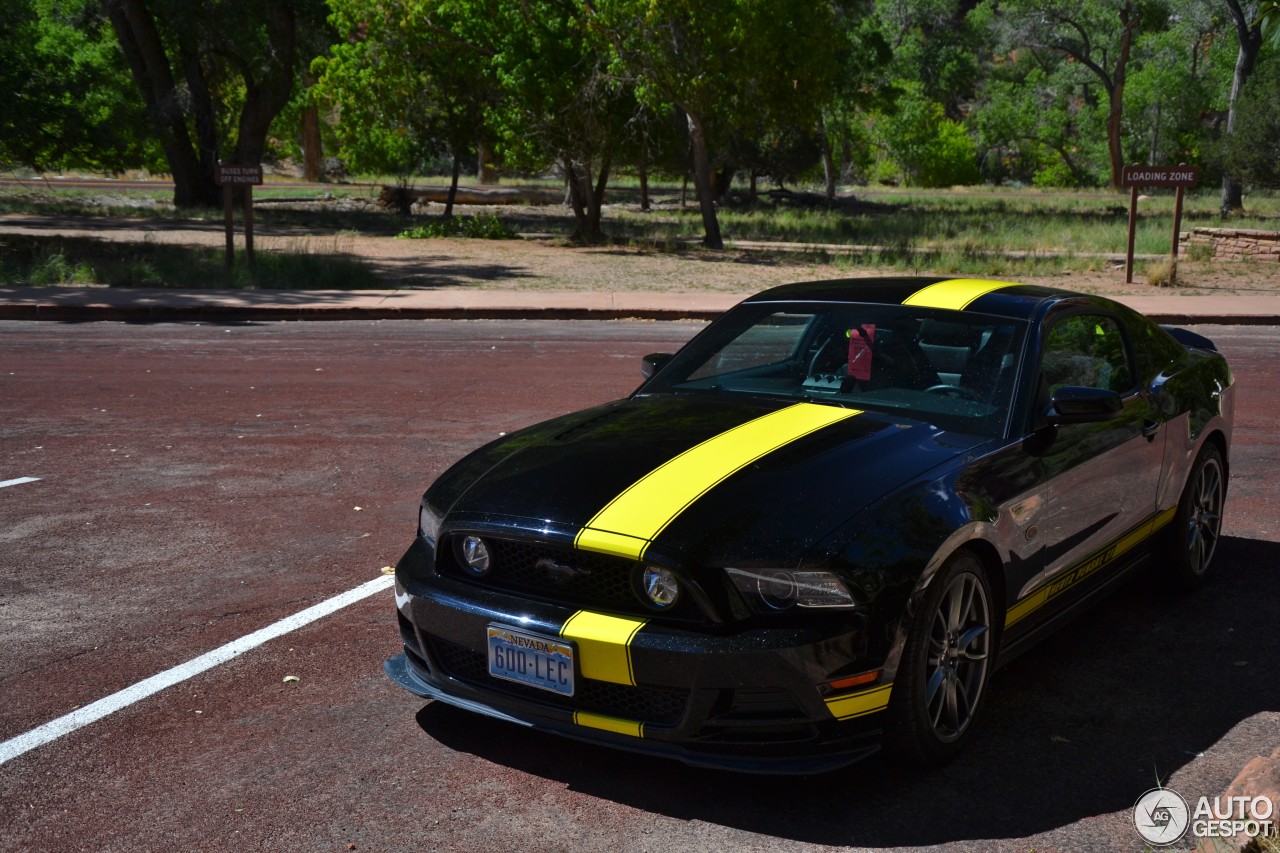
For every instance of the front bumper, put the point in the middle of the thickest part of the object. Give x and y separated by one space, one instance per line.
744 700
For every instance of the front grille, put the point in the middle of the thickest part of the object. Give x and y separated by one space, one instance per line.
657 705
592 580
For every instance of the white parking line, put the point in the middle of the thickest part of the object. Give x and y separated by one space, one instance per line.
81 717
4 484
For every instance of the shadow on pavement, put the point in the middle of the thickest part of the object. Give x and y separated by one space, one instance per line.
1080 726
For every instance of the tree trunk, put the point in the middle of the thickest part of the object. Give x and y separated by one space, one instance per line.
644 186
266 97
149 65
1128 21
312 146
702 184
576 200
1249 35
485 173
587 200
828 161
453 186
595 208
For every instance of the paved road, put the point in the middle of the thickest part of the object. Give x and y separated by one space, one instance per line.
200 482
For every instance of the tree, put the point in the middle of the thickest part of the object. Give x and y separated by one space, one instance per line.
723 62
1246 22
561 102
1097 34
211 73
1253 150
408 87
65 99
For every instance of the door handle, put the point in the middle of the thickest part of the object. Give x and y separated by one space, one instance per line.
1149 429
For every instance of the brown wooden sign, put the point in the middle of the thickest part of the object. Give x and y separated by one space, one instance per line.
1160 176
1181 176
230 175
237 176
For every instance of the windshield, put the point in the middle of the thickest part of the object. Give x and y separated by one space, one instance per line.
950 368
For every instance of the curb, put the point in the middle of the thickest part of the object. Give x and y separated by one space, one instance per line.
220 313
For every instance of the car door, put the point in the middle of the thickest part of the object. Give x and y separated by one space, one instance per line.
1100 479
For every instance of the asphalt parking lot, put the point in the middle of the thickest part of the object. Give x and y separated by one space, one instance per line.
194 484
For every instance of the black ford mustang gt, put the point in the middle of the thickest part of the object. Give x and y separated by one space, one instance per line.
820 525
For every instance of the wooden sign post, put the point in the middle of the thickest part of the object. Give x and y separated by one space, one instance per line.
1180 176
229 176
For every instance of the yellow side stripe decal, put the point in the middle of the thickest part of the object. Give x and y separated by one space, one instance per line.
604 645
632 520
608 724
955 294
1098 560
858 704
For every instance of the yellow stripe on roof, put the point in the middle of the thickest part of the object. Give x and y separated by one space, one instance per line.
631 521
954 294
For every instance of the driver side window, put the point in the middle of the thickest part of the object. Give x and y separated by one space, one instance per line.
1086 350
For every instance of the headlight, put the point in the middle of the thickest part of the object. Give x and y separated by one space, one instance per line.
428 523
769 590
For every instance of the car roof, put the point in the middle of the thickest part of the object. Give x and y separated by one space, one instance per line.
1001 298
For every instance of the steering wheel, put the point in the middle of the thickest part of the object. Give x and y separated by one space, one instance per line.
948 390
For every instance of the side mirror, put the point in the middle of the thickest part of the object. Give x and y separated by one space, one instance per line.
653 362
1075 404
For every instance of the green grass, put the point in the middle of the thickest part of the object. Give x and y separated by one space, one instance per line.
41 261
484 226
970 230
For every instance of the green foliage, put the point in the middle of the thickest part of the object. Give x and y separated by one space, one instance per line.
929 149
43 261
1253 152
66 99
480 227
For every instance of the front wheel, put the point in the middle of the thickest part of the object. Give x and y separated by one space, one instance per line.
1193 541
942 677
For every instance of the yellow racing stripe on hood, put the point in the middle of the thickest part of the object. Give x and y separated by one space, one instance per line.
631 521
955 294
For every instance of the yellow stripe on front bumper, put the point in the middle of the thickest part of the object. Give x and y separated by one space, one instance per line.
858 704
631 521
608 724
604 645
955 294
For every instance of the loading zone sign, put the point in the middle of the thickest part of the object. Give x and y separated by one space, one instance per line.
1160 176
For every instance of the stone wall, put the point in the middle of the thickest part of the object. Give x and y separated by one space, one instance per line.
1234 243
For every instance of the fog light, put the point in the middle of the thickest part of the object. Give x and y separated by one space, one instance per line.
660 586
475 555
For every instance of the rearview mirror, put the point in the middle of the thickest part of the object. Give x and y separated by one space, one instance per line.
1077 404
653 362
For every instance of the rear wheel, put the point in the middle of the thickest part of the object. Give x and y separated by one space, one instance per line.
1197 526
942 677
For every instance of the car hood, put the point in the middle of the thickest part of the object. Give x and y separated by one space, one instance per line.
557 477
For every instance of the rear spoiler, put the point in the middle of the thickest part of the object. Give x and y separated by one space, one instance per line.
1190 339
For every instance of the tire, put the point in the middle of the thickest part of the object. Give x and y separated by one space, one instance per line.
1193 540
942 678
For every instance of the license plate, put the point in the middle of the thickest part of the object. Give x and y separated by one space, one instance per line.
532 659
